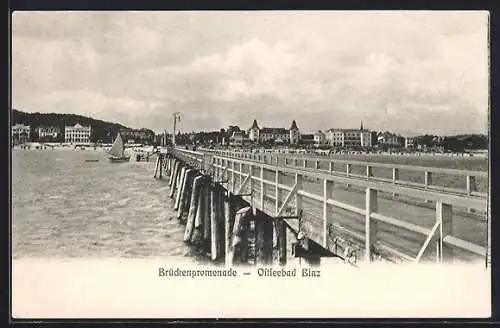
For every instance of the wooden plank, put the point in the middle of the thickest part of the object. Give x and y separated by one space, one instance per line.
465 245
287 199
426 242
371 226
401 224
327 194
444 217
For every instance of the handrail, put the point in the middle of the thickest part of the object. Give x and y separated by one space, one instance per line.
457 200
443 199
432 169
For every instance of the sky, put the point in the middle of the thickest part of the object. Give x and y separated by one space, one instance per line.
406 72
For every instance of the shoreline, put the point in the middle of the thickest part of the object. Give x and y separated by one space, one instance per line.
298 152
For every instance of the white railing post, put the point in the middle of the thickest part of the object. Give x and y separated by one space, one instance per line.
262 194
395 178
277 191
369 171
305 162
233 182
298 198
241 175
348 172
327 194
295 161
216 169
317 165
428 182
428 179
371 226
444 216
226 169
471 184
330 167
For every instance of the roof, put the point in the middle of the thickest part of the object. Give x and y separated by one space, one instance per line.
237 134
78 126
274 130
344 130
254 125
294 126
49 128
387 134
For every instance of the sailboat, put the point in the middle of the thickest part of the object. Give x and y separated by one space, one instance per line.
117 151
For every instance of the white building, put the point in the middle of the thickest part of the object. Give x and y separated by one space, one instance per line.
367 139
349 137
20 132
259 135
389 139
335 137
50 131
236 138
77 133
319 138
409 142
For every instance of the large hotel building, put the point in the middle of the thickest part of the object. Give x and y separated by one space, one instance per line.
77 133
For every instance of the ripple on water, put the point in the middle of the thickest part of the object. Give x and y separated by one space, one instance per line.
64 207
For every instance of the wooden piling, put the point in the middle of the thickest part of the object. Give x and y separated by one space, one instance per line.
207 212
281 230
240 235
264 238
160 159
221 195
181 176
228 225
197 235
186 194
193 208
156 167
168 167
180 188
214 224
175 164
186 198
175 184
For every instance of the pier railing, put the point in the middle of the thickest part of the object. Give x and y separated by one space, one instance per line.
243 171
331 165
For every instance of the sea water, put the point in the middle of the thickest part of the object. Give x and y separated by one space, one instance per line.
63 206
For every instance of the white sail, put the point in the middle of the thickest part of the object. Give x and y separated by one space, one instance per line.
117 148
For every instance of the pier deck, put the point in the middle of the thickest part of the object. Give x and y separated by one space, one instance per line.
373 215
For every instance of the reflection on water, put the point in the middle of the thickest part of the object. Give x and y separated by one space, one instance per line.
63 206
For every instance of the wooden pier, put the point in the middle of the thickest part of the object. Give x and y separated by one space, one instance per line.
267 208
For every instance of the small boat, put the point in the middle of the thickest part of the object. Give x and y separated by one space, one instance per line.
91 160
117 151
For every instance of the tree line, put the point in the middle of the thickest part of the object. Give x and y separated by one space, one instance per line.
101 131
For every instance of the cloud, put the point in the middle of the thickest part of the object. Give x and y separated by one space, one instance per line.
397 71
